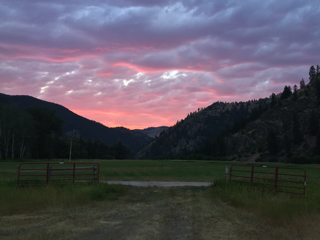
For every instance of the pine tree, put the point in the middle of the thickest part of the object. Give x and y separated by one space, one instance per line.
287 142
286 93
312 73
302 84
317 87
272 142
46 124
296 132
273 100
295 93
313 123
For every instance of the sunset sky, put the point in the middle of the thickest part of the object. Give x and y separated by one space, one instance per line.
143 63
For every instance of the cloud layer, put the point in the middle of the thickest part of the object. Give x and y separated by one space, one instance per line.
141 63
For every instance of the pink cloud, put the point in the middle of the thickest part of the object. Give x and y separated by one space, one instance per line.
149 63
104 74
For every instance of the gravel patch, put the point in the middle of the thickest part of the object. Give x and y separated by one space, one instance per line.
160 184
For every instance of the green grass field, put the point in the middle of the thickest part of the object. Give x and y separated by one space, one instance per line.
160 170
142 170
285 211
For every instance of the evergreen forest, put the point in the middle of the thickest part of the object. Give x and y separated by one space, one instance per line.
35 133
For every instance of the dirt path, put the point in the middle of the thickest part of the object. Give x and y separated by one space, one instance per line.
149 213
160 184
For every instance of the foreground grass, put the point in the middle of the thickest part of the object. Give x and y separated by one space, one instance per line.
279 208
293 216
15 200
151 213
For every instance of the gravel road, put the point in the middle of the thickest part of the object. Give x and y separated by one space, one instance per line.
160 184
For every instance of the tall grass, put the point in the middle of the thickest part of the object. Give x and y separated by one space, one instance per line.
15 200
279 208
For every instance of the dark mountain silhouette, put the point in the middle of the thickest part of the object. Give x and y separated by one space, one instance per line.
283 127
190 134
152 131
288 131
86 128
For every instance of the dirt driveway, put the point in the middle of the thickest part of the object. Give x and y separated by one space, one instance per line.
160 184
148 213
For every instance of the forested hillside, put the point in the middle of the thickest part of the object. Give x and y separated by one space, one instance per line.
283 127
288 131
201 131
24 120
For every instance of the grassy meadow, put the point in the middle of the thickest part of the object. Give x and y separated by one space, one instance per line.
142 170
285 211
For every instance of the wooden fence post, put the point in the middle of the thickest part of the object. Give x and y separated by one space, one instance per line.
74 172
49 173
94 173
227 173
47 176
276 181
251 178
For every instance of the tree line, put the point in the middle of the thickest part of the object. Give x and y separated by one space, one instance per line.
36 133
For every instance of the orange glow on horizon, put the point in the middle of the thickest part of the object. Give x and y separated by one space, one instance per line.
112 122
85 112
202 102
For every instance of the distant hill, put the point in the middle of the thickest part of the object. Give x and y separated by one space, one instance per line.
283 127
152 131
88 129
